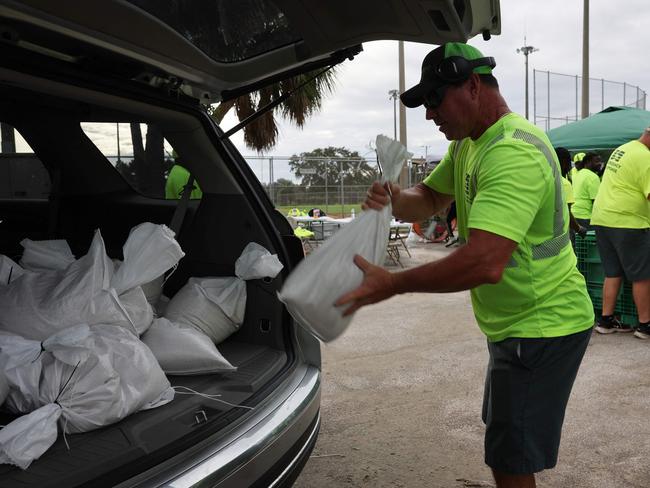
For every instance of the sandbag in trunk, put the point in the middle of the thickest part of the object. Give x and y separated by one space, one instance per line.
46 255
149 252
38 304
184 350
216 306
329 271
9 270
83 378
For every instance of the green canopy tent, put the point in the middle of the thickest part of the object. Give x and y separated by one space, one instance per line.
605 130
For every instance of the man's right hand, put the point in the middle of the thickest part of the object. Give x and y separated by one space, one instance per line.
378 195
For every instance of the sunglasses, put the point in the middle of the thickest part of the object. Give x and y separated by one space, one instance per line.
434 98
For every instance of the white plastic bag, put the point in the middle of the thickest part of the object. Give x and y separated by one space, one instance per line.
329 272
86 377
9 270
4 387
216 306
38 304
46 255
137 308
184 350
149 251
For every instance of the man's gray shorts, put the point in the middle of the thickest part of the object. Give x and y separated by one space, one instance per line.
624 252
526 392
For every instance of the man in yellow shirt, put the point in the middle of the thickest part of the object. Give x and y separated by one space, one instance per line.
564 157
528 296
585 188
621 216
577 165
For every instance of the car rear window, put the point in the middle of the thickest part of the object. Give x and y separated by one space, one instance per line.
225 30
144 158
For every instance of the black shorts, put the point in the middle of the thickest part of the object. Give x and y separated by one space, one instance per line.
624 252
526 392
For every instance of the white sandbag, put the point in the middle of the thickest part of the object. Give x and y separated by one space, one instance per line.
89 378
138 308
329 272
216 306
17 444
184 350
152 290
149 251
257 262
38 304
46 255
9 270
4 387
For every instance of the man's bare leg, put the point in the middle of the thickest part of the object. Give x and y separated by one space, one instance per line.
611 287
514 480
641 293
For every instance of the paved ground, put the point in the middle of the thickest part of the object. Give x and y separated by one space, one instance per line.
402 392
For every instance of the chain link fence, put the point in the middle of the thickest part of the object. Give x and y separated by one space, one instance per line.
332 185
556 97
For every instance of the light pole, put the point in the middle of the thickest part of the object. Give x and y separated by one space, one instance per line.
394 94
526 50
585 60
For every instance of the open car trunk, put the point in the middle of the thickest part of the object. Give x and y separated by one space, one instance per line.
71 185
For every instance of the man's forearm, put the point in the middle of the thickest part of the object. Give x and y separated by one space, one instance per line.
419 203
573 223
464 269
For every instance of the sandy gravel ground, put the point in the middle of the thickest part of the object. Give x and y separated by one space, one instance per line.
402 393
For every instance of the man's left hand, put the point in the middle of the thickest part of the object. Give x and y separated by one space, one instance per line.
377 285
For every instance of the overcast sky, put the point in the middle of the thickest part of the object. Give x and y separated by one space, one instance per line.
360 107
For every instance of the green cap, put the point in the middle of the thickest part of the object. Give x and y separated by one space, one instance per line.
450 63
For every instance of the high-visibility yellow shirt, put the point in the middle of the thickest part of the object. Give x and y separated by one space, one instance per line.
568 192
177 179
622 200
508 182
585 189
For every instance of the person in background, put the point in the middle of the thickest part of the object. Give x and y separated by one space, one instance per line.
177 180
577 165
528 296
621 216
564 157
585 188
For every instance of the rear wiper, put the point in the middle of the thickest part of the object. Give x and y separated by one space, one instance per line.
272 104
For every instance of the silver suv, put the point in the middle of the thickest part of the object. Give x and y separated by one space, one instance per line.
83 83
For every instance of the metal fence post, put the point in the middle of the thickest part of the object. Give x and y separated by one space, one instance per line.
271 179
327 167
548 100
341 178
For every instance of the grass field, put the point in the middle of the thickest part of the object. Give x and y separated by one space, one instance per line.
336 211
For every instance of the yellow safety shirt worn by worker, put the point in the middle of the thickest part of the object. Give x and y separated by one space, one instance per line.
176 181
508 182
568 192
622 200
585 190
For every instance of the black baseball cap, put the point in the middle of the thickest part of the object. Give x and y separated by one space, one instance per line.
449 63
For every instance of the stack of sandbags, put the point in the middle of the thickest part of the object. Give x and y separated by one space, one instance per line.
82 378
204 313
54 293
